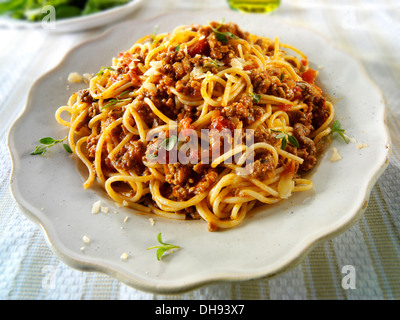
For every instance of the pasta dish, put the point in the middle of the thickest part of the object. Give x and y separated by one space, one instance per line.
205 122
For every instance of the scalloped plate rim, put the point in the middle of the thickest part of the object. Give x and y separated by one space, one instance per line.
87 265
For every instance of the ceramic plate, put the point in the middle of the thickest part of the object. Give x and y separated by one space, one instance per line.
270 240
100 19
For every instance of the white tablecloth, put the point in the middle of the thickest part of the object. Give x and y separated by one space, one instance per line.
368 30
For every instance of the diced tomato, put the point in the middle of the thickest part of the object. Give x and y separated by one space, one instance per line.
220 123
309 75
186 123
297 89
297 92
285 107
133 76
201 47
304 62
126 57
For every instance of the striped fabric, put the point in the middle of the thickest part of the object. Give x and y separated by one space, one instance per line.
366 29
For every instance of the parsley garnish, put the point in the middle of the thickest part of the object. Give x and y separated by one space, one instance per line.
256 97
101 72
151 156
213 63
154 35
223 36
169 143
123 93
113 101
285 137
163 248
48 142
110 103
336 127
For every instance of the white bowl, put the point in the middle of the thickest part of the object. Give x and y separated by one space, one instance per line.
81 23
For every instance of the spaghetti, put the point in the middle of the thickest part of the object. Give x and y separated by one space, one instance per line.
251 100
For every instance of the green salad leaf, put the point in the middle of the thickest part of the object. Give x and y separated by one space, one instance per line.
31 10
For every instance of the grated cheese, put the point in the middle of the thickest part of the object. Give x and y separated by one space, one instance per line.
87 77
104 209
237 63
362 145
124 256
197 73
335 155
149 86
154 67
152 222
86 239
74 77
96 207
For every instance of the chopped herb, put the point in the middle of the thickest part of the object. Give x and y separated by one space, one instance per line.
220 25
154 35
223 36
67 148
285 137
48 142
151 156
110 103
123 93
293 141
336 127
177 48
113 101
101 72
284 143
163 248
256 97
213 63
282 76
169 143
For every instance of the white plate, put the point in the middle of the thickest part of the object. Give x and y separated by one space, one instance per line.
272 239
100 19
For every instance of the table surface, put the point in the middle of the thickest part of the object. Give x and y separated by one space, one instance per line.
368 30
